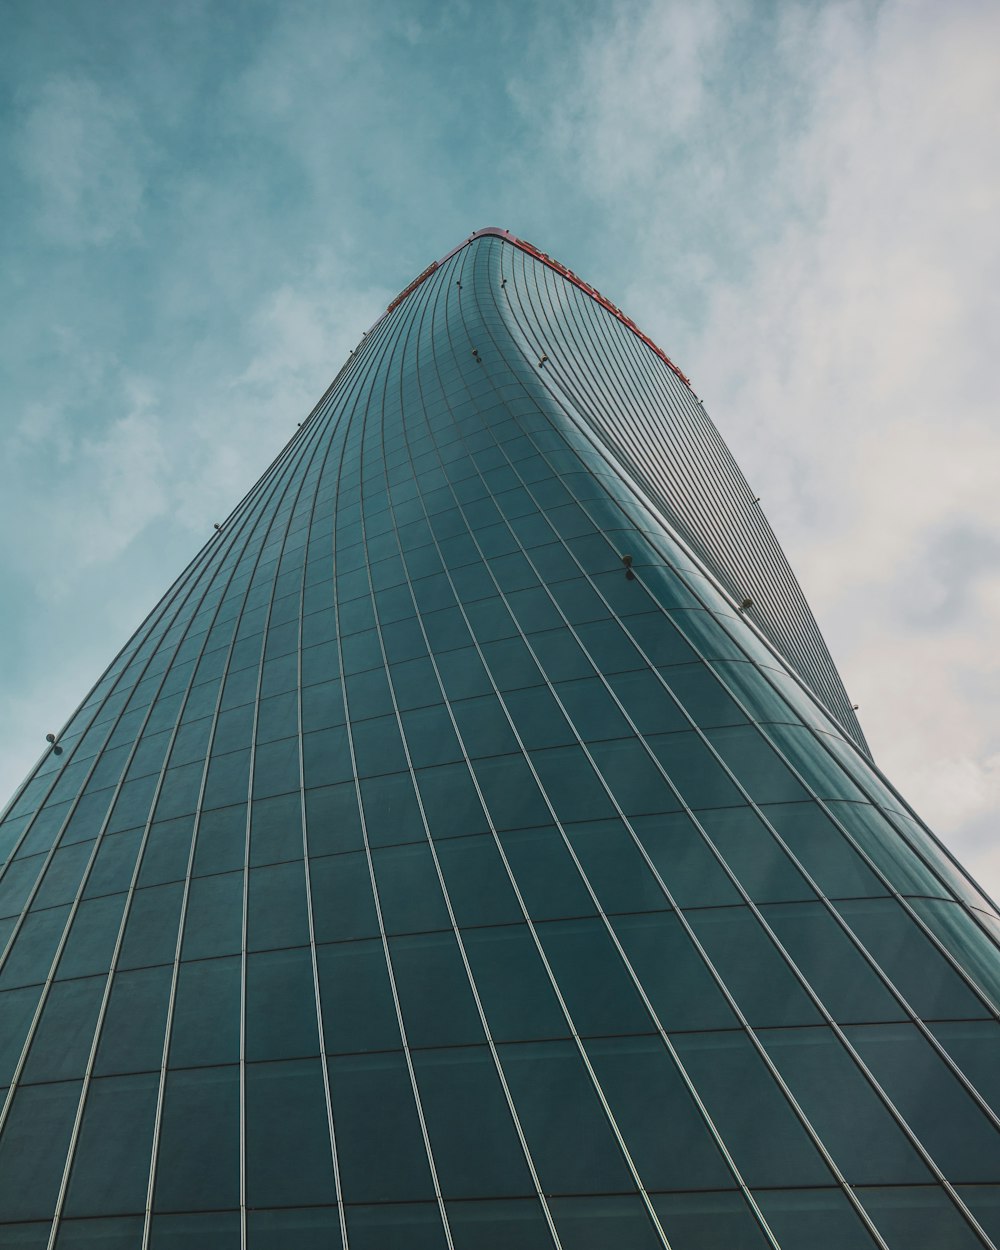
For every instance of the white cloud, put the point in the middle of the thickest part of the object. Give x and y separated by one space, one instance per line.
841 324
85 155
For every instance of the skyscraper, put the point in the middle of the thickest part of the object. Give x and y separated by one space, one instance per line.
475 849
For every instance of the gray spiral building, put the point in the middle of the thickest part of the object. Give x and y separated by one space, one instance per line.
475 849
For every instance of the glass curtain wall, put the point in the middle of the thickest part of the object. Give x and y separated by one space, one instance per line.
452 860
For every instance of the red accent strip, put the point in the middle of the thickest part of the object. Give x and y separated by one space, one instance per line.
568 274
413 286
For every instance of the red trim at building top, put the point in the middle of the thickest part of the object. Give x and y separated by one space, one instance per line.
568 274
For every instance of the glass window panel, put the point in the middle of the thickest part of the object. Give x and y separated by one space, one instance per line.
919 1218
19 877
221 842
674 976
322 706
289 1159
326 756
984 1203
165 857
217 1230
499 1225
849 987
974 1045
63 875
615 866
684 860
410 894
592 710
753 855
65 1032
305 1229
477 881
118 1233
958 1136
213 924
759 979
17 1010
462 674
968 943
275 829
560 655
206 1017
592 978
476 1153
767 1142
549 881
513 985
854 1125
280 1005
277 717
511 664
766 778
92 937
822 1219
33 1148
925 978
435 998
359 1013
484 727
667 1137
391 812
556 1104
709 1221
430 737
198 1164
276 767
31 957
112 1158
820 769
703 696
451 802
333 819
343 903
379 1142
228 779
823 851
132 1033
418 1227
510 791
574 788
537 717
695 772
276 907
151 930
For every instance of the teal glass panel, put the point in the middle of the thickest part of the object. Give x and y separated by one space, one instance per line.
477 1153
646 1092
594 1223
64 1035
512 983
822 1218
920 1218
198 1161
112 1157
289 1158
302 1229
768 1144
705 1221
206 1014
33 1148
280 1005
499 1224
557 1103
379 1142
132 1033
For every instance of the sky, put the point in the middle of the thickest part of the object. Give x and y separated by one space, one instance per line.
204 204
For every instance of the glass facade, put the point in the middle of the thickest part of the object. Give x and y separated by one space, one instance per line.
425 874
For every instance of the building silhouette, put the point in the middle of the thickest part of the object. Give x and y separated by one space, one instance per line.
476 849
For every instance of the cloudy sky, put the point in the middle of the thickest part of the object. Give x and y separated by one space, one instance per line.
203 205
